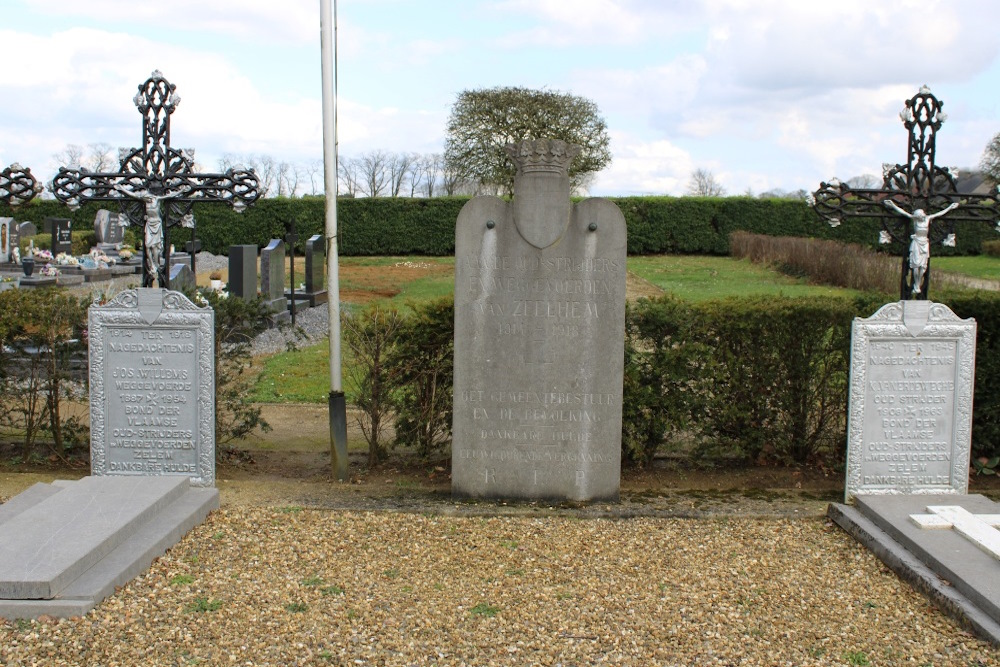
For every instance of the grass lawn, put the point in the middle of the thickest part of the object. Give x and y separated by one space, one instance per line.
700 278
977 266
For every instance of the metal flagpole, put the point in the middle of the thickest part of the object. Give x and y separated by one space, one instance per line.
338 406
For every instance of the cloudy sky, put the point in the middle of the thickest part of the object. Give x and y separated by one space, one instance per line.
765 94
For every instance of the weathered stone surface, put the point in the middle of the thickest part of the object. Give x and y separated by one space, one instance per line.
152 386
539 335
910 408
182 277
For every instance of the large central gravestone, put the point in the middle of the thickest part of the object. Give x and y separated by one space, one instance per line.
910 415
152 386
539 336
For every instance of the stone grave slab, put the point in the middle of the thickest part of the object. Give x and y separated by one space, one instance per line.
65 546
243 271
152 386
913 536
36 280
96 275
539 336
910 407
69 280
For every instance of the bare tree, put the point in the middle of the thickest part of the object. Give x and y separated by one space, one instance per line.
314 172
430 166
287 179
373 173
864 182
96 157
704 184
348 176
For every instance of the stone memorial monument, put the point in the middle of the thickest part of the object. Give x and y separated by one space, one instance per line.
243 271
152 386
6 238
272 276
911 392
62 235
539 336
910 408
315 256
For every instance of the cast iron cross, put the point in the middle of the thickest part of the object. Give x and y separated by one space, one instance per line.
919 192
156 185
17 185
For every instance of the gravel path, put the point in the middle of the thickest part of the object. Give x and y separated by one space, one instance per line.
293 586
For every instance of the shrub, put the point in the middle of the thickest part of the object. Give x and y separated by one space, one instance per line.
372 335
41 333
991 248
421 365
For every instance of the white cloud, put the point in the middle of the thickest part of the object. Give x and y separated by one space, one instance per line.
644 168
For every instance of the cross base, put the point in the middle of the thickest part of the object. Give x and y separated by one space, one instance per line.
980 529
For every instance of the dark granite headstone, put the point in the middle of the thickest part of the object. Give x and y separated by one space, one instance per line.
539 338
243 271
107 228
152 386
315 256
26 229
272 275
62 239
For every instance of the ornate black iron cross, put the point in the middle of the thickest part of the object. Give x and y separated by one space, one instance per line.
17 185
154 175
918 203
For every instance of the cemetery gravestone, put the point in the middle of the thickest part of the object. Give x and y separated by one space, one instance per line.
910 408
26 229
243 271
108 228
15 240
315 255
6 225
539 336
62 238
272 275
152 386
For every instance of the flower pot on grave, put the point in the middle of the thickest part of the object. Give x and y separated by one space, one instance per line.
28 264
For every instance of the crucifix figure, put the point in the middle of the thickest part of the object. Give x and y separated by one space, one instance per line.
920 247
918 186
156 185
152 238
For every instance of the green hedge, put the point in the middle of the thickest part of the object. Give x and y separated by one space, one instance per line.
405 226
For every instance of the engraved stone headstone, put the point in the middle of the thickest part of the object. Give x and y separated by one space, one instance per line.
15 241
62 239
6 225
107 228
315 255
152 386
539 336
272 275
243 271
910 407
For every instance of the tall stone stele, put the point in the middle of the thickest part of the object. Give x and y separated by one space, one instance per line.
539 338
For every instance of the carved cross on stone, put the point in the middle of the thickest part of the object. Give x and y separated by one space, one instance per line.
980 529
156 185
911 196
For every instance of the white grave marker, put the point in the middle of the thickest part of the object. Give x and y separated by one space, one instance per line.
980 529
